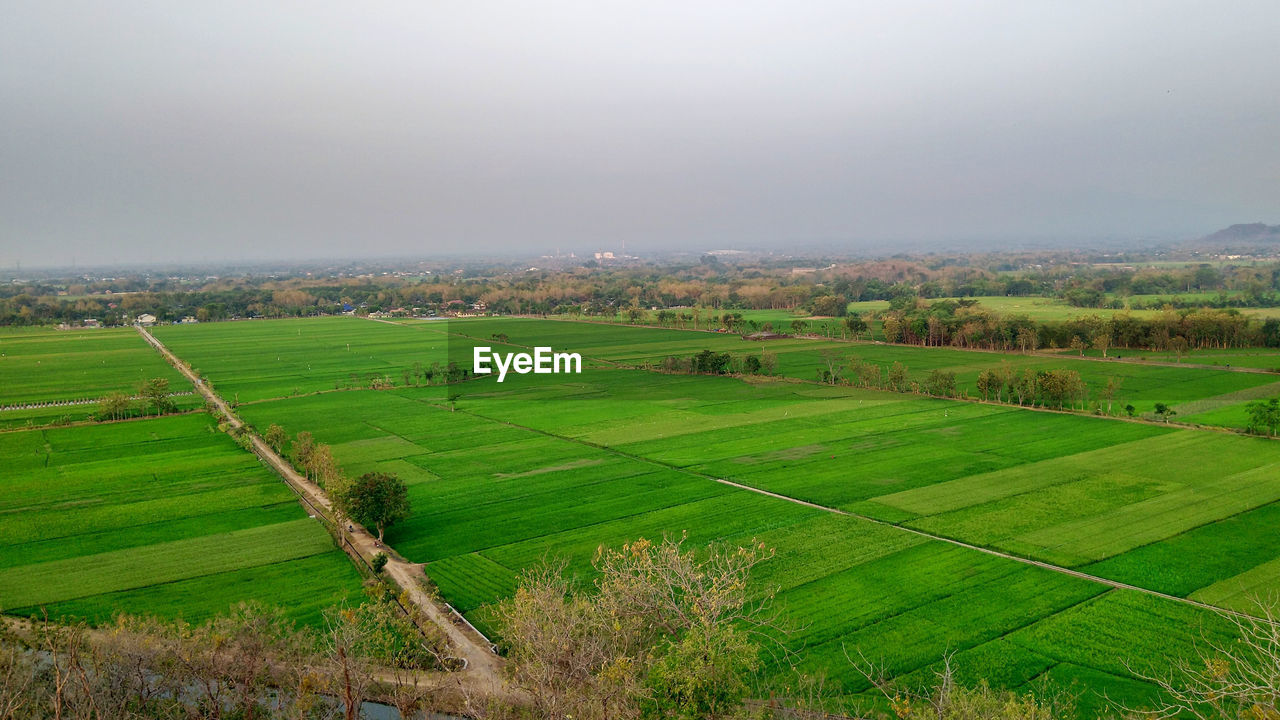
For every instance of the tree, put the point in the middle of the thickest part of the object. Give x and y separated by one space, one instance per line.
893 329
115 406
855 325
1179 346
665 632
377 500
831 358
988 383
276 437
1023 385
711 362
1027 340
1102 342
1004 378
898 377
1164 412
155 393
1110 389
1061 387
1264 415
1078 345
303 446
324 468
768 362
798 326
941 383
831 306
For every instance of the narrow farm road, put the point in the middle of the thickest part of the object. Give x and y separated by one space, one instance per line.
482 676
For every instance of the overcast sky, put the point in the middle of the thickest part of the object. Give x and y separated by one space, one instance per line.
163 131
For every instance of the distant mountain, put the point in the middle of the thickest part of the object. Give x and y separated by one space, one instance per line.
1250 233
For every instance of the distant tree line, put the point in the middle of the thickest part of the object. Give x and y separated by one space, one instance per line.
597 291
152 398
965 324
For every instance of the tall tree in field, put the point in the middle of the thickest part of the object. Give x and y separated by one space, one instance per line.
898 377
303 446
1004 379
276 437
988 383
1103 340
377 500
855 325
1264 416
155 392
768 362
324 468
1110 389
1028 340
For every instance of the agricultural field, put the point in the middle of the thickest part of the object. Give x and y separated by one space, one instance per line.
67 371
259 359
1140 385
503 477
162 516
535 469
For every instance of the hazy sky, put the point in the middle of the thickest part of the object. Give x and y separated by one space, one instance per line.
134 131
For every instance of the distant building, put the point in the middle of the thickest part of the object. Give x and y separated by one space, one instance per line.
92 322
146 319
189 320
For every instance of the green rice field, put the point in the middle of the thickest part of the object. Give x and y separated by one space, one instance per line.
158 516
41 365
1140 385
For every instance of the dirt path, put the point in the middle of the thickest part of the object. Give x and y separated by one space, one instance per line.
482 675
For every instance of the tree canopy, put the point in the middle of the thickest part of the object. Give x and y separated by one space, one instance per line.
377 500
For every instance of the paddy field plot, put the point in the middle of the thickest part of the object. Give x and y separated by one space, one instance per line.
44 365
158 516
258 359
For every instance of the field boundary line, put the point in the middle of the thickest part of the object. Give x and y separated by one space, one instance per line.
482 669
1116 584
